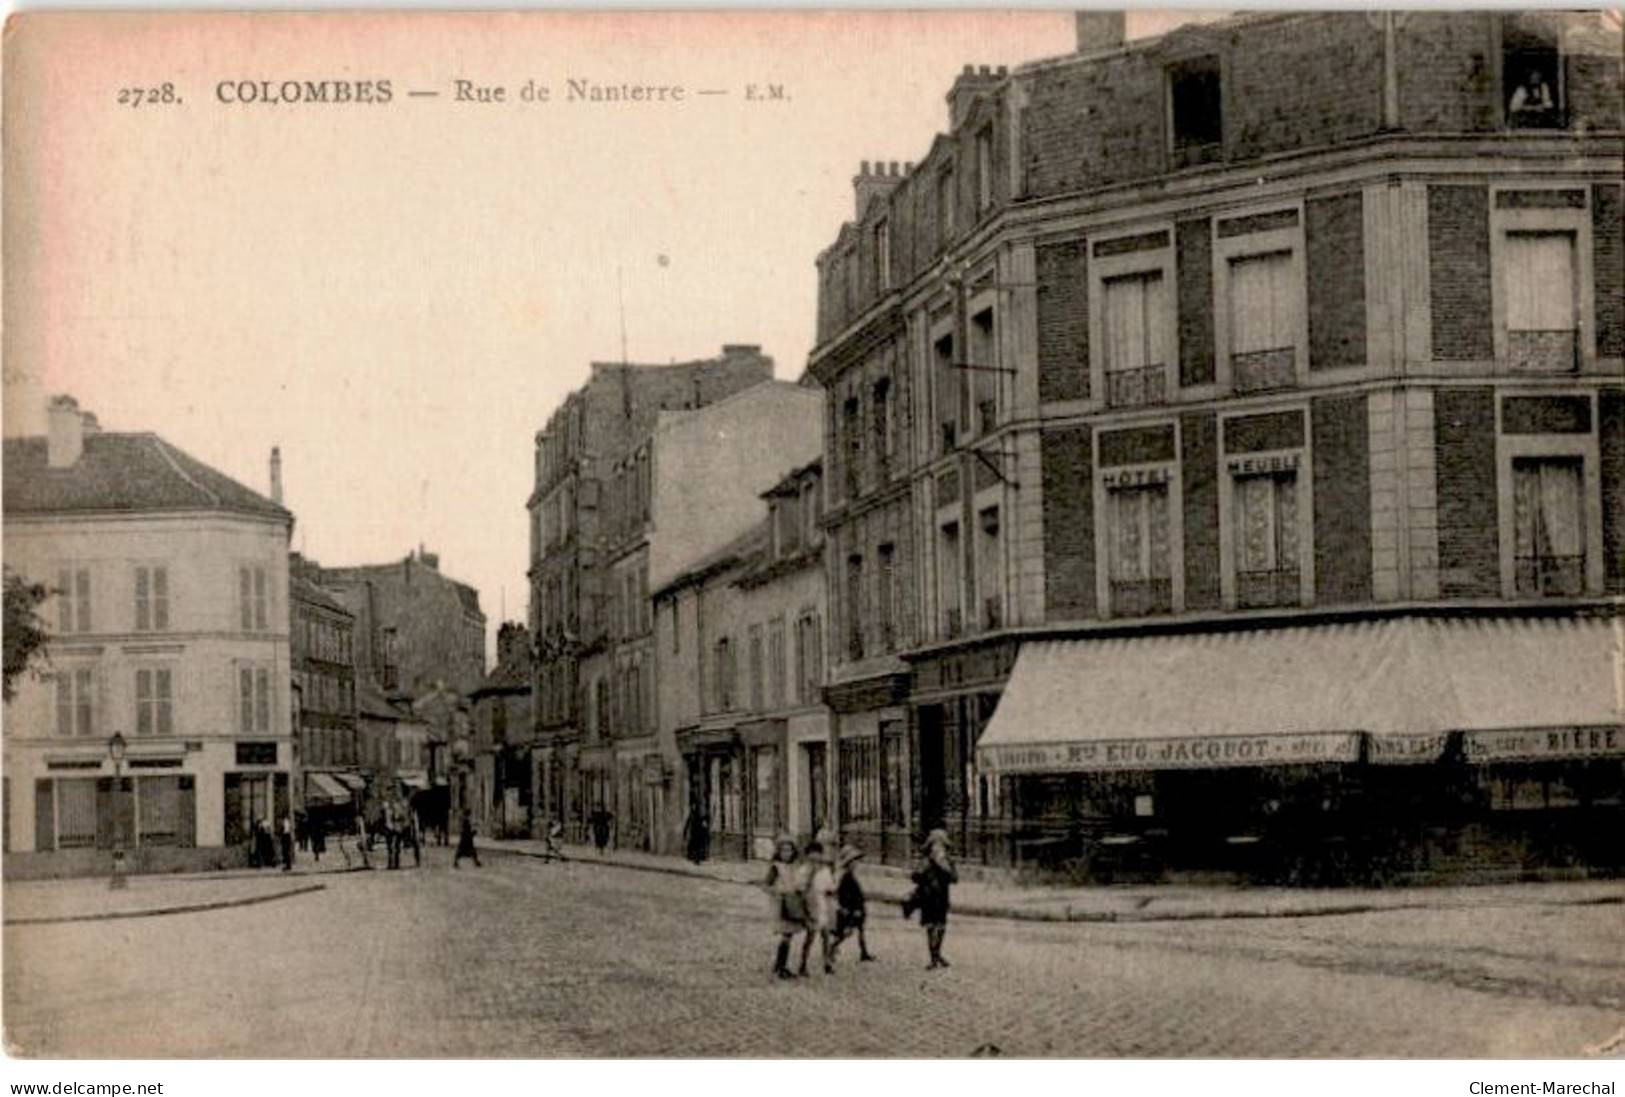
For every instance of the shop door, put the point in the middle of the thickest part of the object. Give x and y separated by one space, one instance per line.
817 785
933 771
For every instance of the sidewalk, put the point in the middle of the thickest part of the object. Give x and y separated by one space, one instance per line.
86 899
1124 903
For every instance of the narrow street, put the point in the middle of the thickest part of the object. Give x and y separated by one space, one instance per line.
521 958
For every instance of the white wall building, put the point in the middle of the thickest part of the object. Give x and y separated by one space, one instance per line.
169 622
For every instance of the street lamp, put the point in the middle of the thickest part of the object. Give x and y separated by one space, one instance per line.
115 751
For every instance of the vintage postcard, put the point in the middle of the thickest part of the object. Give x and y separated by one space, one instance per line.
781 534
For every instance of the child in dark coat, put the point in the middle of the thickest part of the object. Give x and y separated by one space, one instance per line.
931 883
851 909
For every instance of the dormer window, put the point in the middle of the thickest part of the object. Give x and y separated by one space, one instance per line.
1531 75
1195 110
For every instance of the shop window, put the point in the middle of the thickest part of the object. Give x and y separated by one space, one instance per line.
1548 526
1531 75
1264 321
860 780
1141 579
1136 356
894 774
161 809
1541 303
76 802
1196 110
1266 539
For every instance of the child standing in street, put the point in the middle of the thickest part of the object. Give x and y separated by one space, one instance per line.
789 908
851 909
931 883
820 900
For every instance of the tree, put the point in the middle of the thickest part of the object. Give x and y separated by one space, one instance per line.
25 634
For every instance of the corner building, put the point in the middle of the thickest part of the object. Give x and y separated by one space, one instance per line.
1227 462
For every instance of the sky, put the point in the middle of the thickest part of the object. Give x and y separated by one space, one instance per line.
398 295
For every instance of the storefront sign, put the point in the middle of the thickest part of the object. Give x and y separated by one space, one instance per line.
1254 466
1538 743
1137 477
1191 752
1398 750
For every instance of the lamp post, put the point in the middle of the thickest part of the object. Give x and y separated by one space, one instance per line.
115 751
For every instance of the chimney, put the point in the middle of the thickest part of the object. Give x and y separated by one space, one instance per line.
1099 30
873 181
65 438
430 560
276 475
972 82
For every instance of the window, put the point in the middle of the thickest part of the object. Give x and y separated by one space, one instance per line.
1263 321
983 370
164 808
811 510
154 711
252 599
984 168
852 434
860 780
1138 550
775 662
73 600
885 610
1531 74
1266 546
948 393
758 670
948 572
894 774
1548 526
151 599
854 606
1541 303
724 670
809 659
990 568
882 254
881 412
254 699
76 799
945 205
76 702
1196 110
1136 354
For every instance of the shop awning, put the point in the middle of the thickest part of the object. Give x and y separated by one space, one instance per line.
353 782
1297 695
323 788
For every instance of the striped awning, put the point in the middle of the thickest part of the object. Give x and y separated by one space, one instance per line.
1309 694
323 788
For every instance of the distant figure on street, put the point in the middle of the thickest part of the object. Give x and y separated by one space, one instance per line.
697 835
789 909
318 839
600 821
264 843
392 832
465 842
851 908
414 838
301 830
931 883
286 827
554 850
820 893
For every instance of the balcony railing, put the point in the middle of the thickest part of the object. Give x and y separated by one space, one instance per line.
1128 388
1552 576
1256 589
1142 597
1543 351
1263 370
953 624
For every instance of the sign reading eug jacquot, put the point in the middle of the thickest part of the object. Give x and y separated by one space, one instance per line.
1176 753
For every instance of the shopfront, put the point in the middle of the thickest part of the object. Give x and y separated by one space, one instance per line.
715 762
1395 748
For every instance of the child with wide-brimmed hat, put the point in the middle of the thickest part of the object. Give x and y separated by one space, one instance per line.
784 887
851 908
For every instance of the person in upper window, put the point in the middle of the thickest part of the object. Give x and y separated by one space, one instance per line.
1532 97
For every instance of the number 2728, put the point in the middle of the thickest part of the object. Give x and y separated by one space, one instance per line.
158 93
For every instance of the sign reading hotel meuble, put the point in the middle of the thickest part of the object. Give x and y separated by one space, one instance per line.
1185 752
1573 742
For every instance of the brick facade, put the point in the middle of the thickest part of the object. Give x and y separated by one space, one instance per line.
1608 266
1199 474
1195 287
1611 439
1069 530
1063 321
1334 235
1342 476
1465 444
1459 272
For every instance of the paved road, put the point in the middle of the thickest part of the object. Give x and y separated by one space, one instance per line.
521 958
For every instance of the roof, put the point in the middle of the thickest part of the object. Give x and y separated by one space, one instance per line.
507 677
1299 694
370 701
124 473
469 597
790 482
741 549
303 590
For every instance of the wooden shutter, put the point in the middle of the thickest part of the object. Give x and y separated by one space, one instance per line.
44 814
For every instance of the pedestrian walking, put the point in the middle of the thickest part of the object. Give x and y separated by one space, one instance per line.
931 883
600 821
318 839
851 908
363 841
697 834
554 850
820 895
392 832
789 908
301 830
286 827
465 842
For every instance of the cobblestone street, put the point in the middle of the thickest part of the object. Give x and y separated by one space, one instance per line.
521 958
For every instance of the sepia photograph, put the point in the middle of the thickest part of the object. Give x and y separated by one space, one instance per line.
814 534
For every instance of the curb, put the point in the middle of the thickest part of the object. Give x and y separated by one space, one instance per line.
1104 917
191 908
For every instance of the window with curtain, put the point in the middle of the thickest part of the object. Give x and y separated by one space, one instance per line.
1542 314
1136 351
1266 539
1548 518
1137 550
1263 321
